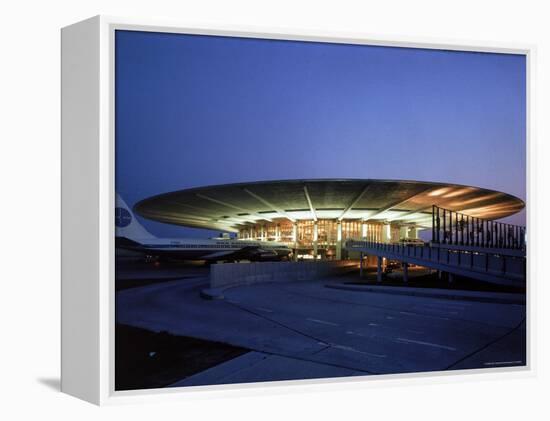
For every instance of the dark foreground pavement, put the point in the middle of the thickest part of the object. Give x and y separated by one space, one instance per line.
301 330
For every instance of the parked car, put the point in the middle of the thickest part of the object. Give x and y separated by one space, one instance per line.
391 265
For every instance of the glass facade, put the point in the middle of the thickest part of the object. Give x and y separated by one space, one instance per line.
322 237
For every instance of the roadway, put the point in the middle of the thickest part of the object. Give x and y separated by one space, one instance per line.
304 330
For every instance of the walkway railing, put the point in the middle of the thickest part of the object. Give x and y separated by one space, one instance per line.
450 227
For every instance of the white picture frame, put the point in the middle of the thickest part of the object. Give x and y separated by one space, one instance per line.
88 196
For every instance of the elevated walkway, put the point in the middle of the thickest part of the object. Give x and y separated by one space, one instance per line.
501 266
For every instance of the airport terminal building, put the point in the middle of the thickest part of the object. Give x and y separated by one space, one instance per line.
315 217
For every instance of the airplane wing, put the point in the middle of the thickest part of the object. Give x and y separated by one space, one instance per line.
218 254
246 253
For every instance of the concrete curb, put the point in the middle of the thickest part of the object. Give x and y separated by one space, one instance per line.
479 296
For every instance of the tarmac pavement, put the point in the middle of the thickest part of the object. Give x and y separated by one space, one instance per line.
302 330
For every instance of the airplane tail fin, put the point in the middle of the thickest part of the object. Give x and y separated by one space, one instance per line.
126 223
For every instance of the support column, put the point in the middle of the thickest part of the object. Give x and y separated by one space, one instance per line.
277 233
403 232
361 265
315 240
364 230
413 233
405 272
295 239
379 268
386 233
339 241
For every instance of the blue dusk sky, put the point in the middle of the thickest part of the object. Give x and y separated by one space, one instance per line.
200 110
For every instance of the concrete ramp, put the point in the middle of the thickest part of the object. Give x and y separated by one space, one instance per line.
498 266
233 274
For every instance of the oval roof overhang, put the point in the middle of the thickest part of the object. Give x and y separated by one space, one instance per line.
229 207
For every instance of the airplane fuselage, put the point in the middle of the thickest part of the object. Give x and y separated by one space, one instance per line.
206 249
